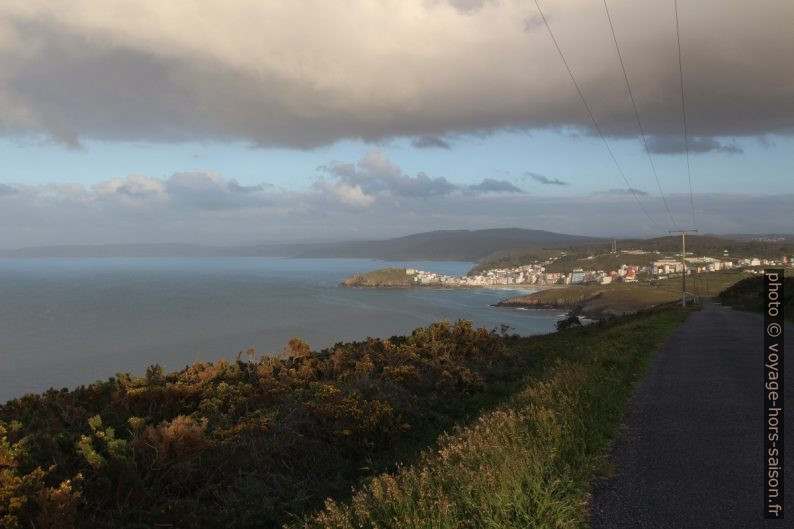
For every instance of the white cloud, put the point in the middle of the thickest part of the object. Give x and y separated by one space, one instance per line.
347 194
375 174
212 209
133 187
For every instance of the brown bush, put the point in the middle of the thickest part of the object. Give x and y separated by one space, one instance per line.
297 348
173 445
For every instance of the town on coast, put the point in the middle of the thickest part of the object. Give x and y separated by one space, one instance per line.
537 275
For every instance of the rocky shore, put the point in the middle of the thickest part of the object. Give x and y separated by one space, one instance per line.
575 305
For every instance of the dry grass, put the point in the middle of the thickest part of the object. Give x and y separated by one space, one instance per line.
626 298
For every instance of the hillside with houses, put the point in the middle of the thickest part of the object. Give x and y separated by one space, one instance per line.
588 270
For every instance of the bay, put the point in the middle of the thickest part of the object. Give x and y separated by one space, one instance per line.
65 322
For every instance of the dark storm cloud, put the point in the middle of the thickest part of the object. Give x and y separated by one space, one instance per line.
430 142
545 180
229 70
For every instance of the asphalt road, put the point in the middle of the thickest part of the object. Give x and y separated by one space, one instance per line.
691 454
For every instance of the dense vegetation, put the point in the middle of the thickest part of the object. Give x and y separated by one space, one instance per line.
262 442
245 443
530 462
748 294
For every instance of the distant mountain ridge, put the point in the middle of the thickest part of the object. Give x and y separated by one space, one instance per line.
489 247
449 245
442 245
113 250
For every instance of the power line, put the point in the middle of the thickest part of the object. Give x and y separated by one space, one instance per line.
683 113
637 117
593 119
683 262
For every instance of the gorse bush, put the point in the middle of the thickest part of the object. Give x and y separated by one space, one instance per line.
450 427
247 443
25 496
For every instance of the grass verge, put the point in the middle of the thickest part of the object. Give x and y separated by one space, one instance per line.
529 462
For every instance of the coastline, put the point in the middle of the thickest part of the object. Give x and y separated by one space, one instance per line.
573 306
439 286
596 302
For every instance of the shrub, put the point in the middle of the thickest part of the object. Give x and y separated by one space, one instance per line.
569 322
255 441
172 446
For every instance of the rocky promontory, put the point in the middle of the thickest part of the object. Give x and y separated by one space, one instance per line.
383 278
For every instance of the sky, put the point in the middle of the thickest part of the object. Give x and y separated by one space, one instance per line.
225 122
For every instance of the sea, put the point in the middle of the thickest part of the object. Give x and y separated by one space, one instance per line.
66 322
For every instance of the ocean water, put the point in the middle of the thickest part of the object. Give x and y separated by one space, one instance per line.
65 322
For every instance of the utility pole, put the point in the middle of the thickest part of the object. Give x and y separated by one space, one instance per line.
683 262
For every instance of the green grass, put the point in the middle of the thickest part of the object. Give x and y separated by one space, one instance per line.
530 462
600 300
625 298
705 284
